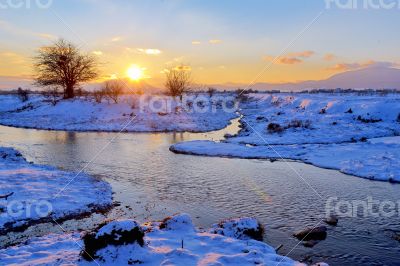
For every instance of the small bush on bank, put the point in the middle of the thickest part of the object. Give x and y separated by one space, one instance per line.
350 111
299 124
23 95
53 96
211 91
99 95
275 128
368 120
113 89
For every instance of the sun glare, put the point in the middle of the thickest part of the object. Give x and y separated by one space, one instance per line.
135 73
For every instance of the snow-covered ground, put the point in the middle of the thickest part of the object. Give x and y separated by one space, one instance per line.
162 245
318 118
355 134
133 113
43 193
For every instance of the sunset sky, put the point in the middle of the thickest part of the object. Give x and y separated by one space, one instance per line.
222 41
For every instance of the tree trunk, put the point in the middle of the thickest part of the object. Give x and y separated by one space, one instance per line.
69 92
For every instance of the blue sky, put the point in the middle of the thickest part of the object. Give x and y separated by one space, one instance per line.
222 41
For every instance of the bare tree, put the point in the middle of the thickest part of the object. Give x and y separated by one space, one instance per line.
63 65
113 89
178 80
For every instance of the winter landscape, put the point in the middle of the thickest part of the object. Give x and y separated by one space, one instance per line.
199 133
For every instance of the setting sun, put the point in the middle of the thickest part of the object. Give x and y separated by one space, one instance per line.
135 73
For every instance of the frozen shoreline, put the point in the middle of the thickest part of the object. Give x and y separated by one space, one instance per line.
41 193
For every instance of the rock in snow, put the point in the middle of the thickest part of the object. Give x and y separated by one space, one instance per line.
244 228
162 245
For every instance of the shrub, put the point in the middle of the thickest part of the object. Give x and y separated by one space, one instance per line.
23 95
52 95
99 95
350 111
299 124
275 128
113 89
368 120
211 91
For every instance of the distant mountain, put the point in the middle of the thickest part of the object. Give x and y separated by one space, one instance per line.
366 78
373 77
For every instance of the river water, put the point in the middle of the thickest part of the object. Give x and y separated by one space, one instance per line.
151 183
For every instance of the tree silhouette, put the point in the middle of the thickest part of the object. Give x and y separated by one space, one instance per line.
178 80
63 65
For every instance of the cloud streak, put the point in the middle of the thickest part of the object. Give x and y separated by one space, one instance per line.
149 51
290 58
215 41
354 66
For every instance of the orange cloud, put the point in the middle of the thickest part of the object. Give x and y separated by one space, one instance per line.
183 68
354 66
305 54
290 58
196 42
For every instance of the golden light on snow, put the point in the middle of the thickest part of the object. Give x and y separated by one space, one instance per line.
135 73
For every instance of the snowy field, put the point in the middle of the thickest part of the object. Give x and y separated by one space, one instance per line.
132 113
36 192
355 134
318 118
174 241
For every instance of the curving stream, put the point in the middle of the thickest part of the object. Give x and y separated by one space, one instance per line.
150 183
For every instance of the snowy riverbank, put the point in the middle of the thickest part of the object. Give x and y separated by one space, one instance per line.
132 113
43 194
351 133
175 241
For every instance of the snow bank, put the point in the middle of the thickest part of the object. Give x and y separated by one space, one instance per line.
148 114
34 192
376 160
162 247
